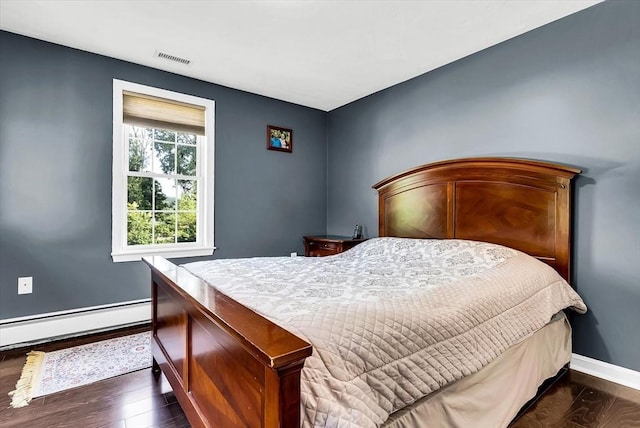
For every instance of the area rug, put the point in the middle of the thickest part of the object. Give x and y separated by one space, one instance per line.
46 373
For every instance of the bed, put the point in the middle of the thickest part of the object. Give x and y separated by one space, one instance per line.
231 365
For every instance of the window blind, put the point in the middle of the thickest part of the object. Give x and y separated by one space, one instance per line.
146 110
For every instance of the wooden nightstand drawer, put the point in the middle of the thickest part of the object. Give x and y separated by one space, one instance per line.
328 245
320 252
316 245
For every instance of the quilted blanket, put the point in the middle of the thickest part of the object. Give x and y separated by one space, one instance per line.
393 319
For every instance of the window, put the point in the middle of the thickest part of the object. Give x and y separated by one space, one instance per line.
162 173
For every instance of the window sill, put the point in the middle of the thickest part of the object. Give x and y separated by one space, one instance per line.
131 256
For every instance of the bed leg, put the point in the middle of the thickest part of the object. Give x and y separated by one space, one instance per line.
155 367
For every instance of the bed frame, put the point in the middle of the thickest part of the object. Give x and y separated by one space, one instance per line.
231 367
518 203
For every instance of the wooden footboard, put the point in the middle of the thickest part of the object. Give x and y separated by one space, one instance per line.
228 366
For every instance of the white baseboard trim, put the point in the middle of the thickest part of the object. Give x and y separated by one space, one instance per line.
610 372
65 323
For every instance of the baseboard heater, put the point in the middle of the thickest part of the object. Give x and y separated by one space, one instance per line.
23 331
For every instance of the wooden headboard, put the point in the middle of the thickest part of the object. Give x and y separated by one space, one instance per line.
518 203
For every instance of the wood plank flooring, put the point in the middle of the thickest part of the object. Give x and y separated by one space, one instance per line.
140 400
582 401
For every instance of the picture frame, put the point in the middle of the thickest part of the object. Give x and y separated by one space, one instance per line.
279 139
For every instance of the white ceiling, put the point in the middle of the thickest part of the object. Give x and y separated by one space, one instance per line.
321 54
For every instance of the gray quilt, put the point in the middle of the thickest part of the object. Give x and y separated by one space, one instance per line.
393 319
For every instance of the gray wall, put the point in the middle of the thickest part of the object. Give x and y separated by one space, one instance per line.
568 92
55 176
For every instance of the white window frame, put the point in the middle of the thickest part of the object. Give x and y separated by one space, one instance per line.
120 251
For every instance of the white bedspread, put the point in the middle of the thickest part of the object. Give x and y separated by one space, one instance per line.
394 319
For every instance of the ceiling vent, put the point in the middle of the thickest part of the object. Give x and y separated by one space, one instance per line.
172 58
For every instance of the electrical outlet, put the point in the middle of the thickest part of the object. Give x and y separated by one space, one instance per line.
294 254
25 285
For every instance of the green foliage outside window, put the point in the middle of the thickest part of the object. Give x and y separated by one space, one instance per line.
156 215
139 226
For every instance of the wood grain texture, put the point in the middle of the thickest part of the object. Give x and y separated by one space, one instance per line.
512 215
170 326
621 414
418 213
583 401
228 366
589 407
519 203
226 383
328 245
620 391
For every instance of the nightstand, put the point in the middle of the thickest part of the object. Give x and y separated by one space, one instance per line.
328 245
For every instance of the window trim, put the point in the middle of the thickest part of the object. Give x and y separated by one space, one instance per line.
204 246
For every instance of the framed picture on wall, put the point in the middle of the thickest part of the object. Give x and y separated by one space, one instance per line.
280 139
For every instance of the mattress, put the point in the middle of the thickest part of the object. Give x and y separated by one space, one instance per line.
394 320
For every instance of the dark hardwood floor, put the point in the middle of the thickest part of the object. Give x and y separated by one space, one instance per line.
140 399
582 401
